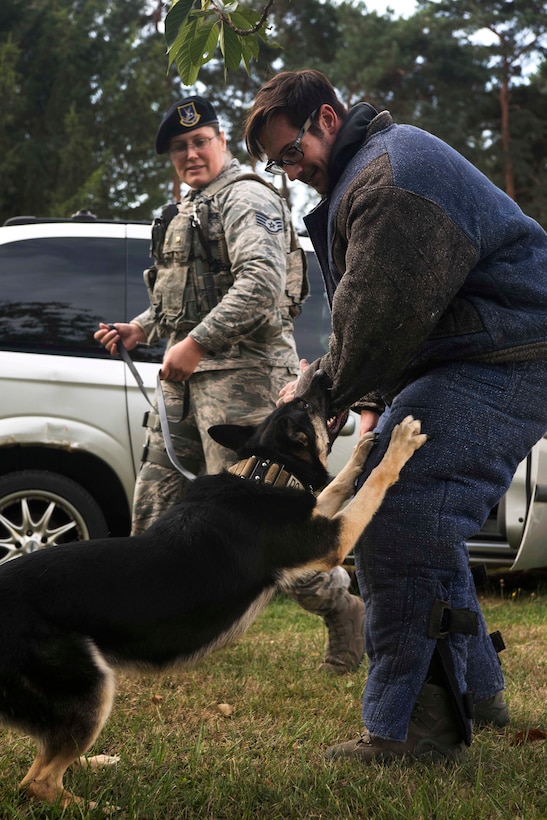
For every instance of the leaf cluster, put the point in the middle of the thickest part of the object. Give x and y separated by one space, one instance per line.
193 30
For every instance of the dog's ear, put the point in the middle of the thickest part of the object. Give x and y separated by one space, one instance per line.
233 436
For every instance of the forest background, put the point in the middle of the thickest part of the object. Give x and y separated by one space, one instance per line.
84 84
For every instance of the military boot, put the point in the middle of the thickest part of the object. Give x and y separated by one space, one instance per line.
492 712
327 594
345 623
433 735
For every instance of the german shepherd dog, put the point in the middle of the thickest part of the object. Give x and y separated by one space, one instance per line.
72 613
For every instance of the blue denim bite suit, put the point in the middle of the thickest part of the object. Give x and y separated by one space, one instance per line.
438 288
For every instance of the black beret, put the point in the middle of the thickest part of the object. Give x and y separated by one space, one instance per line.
184 116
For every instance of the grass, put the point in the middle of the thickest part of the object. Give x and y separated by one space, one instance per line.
243 734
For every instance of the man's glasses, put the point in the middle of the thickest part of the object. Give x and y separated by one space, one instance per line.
199 144
293 154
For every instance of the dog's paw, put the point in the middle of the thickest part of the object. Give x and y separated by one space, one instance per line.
363 448
407 436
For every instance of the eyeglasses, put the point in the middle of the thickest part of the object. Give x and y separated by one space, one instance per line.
199 144
293 154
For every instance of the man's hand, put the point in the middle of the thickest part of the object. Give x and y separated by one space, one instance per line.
108 335
181 360
288 392
369 420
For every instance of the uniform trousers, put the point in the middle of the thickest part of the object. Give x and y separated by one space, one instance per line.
238 396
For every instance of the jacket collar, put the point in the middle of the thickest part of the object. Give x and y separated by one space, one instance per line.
361 123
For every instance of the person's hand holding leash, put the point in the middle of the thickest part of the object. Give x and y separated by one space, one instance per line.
130 334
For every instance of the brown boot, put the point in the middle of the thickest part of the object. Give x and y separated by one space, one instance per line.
345 622
433 735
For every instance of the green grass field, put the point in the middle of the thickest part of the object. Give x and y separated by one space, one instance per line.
243 734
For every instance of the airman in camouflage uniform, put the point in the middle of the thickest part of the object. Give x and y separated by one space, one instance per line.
228 280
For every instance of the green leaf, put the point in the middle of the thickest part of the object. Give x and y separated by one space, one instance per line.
245 18
191 41
175 18
188 71
180 52
181 43
248 51
211 44
196 46
230 45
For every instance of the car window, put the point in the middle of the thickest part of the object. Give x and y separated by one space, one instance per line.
312 327
56 289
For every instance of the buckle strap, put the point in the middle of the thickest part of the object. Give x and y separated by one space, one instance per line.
151 419
480 575
154 456
444 620
497 641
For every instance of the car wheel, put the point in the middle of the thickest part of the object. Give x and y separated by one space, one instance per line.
39 508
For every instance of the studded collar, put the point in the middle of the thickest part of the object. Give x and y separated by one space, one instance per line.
265 471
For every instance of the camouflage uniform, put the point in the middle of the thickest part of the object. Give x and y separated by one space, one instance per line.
224 284
225 276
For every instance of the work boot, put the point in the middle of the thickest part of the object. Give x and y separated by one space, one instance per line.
433 735
492 712
345 623
327 594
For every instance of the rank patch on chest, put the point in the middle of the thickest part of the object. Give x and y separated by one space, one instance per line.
274 225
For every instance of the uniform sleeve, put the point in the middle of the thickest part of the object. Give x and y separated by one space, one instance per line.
252 218
404 260
147 321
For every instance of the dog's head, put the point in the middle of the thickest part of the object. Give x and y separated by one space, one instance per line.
299 434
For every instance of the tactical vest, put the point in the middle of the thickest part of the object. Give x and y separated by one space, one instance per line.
193 271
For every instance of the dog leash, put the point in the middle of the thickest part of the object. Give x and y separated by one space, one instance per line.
162 410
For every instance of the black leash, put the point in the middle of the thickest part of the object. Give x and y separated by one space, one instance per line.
162 410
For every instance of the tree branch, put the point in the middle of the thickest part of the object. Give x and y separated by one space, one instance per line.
244 32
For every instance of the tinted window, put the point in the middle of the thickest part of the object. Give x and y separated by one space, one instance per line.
55 290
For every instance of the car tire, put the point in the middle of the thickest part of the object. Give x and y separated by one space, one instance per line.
39 508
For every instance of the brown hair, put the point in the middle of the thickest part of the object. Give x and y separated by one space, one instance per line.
293 93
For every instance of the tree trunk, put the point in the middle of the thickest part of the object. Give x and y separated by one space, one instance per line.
505 98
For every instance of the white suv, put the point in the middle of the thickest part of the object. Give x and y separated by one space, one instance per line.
71 416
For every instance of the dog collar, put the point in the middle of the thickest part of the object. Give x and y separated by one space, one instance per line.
265 471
